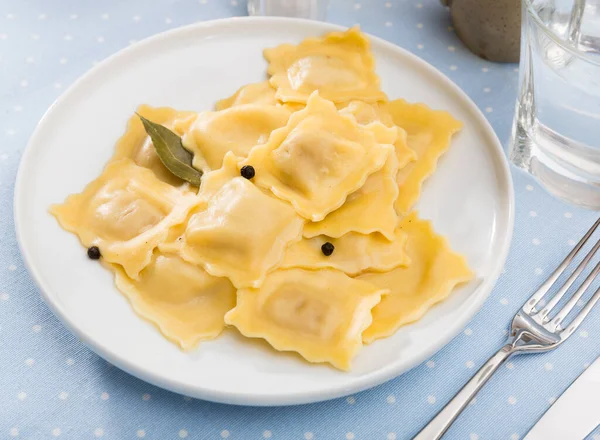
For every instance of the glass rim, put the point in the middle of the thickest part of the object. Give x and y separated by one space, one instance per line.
554 37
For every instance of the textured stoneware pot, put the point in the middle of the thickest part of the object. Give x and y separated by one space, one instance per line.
490 29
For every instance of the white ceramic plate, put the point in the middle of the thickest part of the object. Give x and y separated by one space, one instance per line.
469 199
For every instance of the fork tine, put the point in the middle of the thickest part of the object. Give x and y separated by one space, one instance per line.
543 289
561 292
581 316
560 316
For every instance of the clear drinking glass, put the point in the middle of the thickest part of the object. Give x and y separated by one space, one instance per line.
312 9
556 130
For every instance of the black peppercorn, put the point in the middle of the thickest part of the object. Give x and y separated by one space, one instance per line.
247 172
93 253
327 249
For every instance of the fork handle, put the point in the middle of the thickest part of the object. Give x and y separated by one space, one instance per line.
442 421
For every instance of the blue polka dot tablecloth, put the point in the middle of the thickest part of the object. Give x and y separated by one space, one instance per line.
53 387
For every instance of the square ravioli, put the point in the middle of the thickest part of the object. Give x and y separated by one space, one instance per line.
339 65
353 253
126 212
429 134
319 314
240 233
255 93
432 274
319 158
237 129
136 145
181 299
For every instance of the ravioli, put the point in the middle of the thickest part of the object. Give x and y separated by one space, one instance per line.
319 314
354 253
339 65
241 234
136 145
254 93
182 300
126 212
319 158
429 134
237 129
434 271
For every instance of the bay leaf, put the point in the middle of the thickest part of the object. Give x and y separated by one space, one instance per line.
171 152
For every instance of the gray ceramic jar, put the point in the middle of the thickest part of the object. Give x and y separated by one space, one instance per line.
490 29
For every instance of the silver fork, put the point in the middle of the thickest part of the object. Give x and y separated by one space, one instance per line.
532 331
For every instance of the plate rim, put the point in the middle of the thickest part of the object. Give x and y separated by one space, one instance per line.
388 372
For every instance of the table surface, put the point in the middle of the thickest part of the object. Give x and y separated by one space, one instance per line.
53 386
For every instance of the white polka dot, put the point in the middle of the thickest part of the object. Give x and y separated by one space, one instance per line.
267 434
510 365
571 242
136 18
98 432
4 156
357 6
468 332
57 85
388 24
73 16
224 434
469 364
388 4
485 69
18 108
551 400
453 67
568 215
419 5
431 399
473 436
187 398
11 132
141 433
3 36
349 436
390 399
535 241
529 188
22 395
68 37
351 400
473 401
583 334
308 436
420 46
63 395
515 437
234 3
420 25
146 397
532 214
56 432
12 267
24 83
430 364
538 271
35 37
70 361
30 60
168 20
100 39
14 432
10 16
451 48
63 60
512 400
42 17
4 296
504 301
548 366
516 69
104 396
391 436
183 433
487 90
489 109
104 16
203 2
29 362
